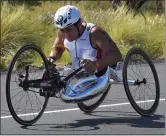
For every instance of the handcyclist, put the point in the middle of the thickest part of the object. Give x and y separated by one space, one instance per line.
84 41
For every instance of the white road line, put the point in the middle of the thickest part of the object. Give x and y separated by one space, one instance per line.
74 109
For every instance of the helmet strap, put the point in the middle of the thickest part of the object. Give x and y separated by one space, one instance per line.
78 30
76 24
79 33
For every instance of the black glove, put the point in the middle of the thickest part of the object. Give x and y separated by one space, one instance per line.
51 60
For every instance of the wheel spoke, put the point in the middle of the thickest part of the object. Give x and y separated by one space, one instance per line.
131 67
131 76
140 65
145 71
149 97
19 100
150 78
151 83
37 103
38 99
15 88
135 73
25 106
142 92
30 103
144 98
139 71
16 94
18 106
149 74
135 91
150 90
135 61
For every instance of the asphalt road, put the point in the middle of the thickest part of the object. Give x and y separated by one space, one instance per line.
114 116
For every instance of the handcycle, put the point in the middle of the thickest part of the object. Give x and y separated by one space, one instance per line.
35 84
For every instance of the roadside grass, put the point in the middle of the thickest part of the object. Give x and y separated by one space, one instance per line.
20 26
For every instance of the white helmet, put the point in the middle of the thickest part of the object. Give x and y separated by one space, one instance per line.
66 16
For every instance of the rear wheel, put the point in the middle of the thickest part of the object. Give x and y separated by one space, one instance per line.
145 93
26 105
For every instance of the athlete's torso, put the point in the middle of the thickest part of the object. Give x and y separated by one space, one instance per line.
81 48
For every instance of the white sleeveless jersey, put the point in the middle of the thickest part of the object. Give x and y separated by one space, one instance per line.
81 48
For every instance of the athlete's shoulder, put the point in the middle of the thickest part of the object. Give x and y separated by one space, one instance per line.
97 32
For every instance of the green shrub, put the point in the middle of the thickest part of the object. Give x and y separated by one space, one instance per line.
129 31
20 27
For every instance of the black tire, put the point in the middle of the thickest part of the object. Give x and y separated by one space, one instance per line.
89 108
143 60
9 90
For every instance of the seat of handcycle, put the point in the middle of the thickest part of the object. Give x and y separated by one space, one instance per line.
87 87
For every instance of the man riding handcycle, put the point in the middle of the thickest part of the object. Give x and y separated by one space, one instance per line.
92 53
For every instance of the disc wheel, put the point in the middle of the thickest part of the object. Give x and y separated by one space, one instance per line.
144 94
26 105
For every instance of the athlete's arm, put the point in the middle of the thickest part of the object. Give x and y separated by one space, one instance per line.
58 46
100 39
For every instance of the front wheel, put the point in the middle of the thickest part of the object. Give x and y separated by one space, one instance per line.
26 105
141 82
90 105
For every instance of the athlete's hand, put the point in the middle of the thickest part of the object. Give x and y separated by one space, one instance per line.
90 66
50 61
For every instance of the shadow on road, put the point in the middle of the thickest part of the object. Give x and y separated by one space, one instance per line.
94 124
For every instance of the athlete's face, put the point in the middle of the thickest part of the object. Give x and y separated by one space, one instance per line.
70 33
